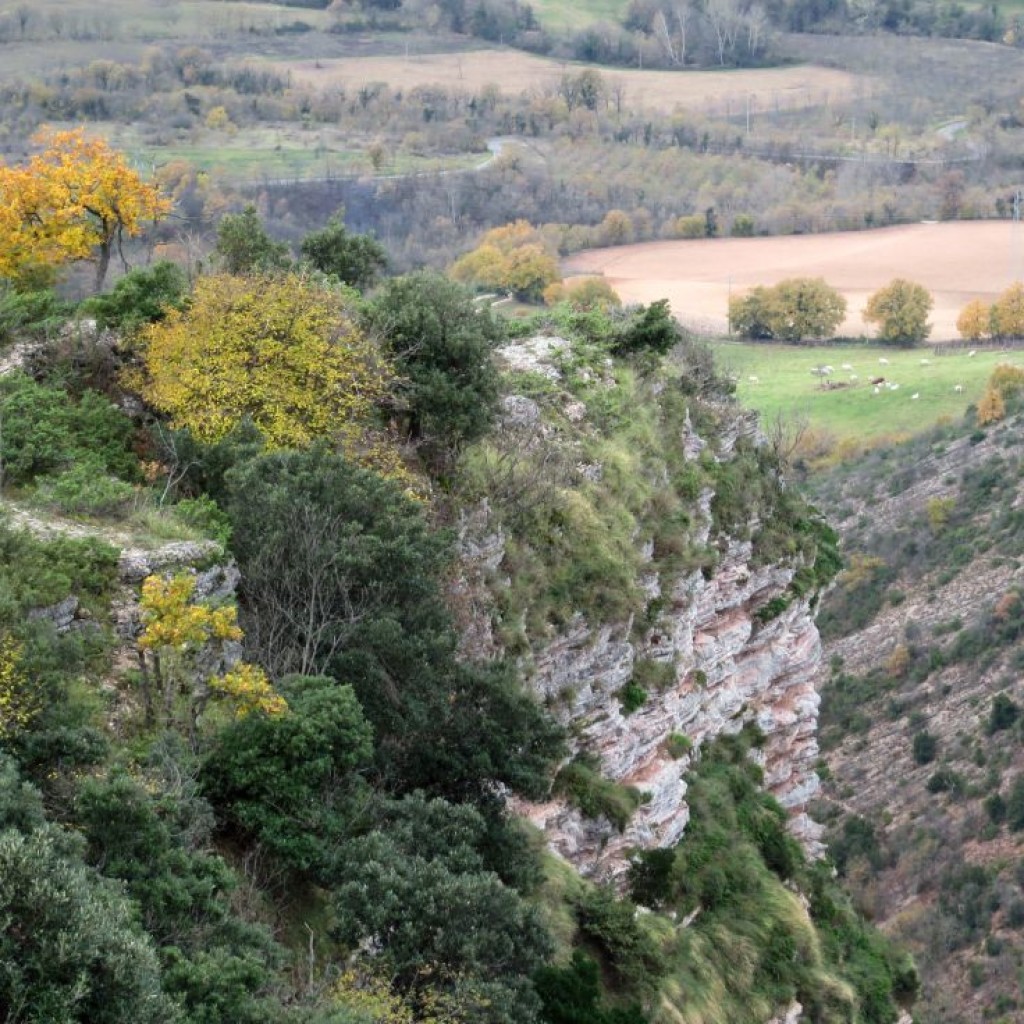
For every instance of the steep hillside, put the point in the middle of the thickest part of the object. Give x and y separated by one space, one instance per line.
293 791
921 702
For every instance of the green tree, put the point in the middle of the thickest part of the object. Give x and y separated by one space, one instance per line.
743 226
652 329
244 246
807 308
924 747
142 296
287 782
44 431
442 345
70 949
356 260
572 995
900 311
749 315
417 886
1004 713
792 310
326 549
341 576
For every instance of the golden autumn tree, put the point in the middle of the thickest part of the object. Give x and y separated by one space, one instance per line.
1008 312
183 647
1008 380
76 199
107 198
19 701
34 236
583 293
511 258
281 351
973 321
991 408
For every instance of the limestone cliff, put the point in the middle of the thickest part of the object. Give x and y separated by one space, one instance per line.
719 665
727 670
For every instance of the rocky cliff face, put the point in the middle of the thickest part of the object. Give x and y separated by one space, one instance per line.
718 666
728 670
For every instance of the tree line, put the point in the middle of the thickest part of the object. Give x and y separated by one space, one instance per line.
801 309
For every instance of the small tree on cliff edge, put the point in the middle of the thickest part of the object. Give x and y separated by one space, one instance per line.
900 311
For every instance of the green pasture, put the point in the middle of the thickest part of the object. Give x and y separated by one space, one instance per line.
786 386
163 19
572 14
276 151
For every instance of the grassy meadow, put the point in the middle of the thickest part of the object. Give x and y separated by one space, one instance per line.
572 14
786 387
270 151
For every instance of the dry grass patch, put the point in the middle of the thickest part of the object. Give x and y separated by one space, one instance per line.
514 72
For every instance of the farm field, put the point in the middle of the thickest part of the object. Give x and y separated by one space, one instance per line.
956 261
572 14
274 152
786 385
514 72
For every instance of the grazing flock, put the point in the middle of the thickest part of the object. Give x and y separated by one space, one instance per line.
878 384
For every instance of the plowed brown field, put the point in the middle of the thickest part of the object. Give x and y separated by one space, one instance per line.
956 261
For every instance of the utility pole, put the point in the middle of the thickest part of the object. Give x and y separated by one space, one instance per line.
1015 261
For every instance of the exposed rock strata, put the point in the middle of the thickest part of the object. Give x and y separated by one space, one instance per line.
728 669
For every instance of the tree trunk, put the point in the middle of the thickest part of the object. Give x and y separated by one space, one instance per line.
102 263
147 690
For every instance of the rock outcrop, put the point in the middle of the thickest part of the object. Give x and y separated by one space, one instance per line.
728 669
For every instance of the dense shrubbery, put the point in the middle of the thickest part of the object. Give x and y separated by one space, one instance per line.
142 296
582 784
30 314
442 344
43 432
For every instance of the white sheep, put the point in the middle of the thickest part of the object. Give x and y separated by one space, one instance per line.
958 388
752 379
876 390
883 361
926 362
893 387
972 353
916 395
854 376
847 366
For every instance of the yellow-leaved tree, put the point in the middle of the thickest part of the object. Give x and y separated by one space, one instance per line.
1008 312
991 408
19 701
511 258
281 351
76 199
183 649
974 320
